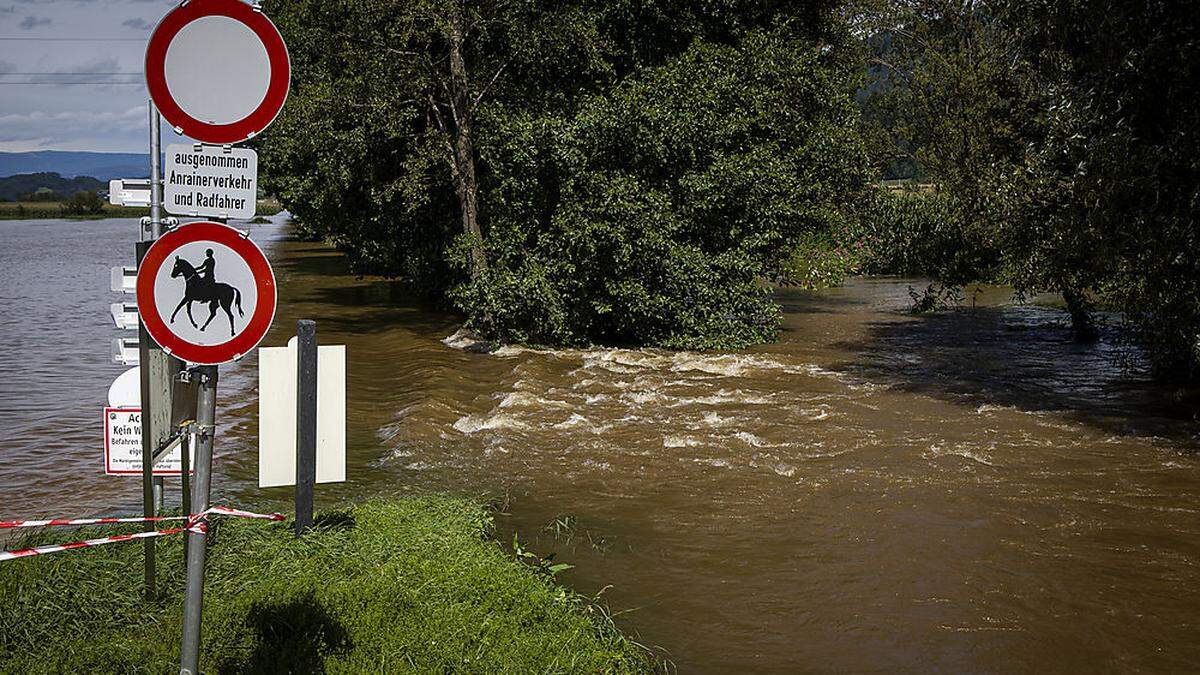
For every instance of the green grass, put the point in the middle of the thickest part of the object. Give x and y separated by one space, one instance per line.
409 585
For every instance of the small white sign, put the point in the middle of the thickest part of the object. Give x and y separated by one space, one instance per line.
123 446
124 315
124 279
125 351
277 415
129 192
210 180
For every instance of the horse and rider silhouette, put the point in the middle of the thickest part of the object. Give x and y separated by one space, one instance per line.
202 287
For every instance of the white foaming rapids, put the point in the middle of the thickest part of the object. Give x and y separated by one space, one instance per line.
936 451
574 421
750 439
470 424
681 442
688 399
525 399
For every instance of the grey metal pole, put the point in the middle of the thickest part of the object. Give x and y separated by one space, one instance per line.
184 479
306 422
158 494
149 498
155 173
147 403
206 411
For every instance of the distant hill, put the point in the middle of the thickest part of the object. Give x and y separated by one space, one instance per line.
12 187
101 165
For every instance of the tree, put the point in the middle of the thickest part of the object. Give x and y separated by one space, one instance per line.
83 203
620 171
377 143
1066 132
949 79
1115 167
653 214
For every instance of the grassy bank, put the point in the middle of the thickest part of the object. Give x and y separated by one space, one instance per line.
54 210
407 585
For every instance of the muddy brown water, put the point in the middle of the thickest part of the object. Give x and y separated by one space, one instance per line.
968 491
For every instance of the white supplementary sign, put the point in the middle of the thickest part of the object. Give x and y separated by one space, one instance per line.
277 415
210 180
129 192
123 446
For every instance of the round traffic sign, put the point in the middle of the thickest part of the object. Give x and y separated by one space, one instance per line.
126 390
206 293
217 70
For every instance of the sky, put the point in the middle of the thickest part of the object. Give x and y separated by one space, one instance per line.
49 49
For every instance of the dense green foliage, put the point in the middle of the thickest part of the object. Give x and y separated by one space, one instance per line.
639 167
634 172
414 585
1063 135
652 214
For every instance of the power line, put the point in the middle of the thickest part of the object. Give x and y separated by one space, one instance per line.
63 39
124 72
60 84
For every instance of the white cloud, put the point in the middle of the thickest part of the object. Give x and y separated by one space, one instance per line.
105 112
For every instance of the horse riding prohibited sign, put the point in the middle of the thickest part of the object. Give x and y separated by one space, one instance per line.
206 293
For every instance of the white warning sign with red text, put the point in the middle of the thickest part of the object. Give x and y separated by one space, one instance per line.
123 446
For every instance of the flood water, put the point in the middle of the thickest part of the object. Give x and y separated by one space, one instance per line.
968 491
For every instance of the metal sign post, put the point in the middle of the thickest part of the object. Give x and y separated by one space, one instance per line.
148 501
206 407
218 71
147 442
306 422
155 173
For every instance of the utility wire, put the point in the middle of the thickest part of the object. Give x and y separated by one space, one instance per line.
63 39
60 84
125 72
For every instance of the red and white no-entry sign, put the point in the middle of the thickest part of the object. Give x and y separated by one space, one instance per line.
217 70
206 293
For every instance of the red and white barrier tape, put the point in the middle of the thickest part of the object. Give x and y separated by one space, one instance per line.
197 523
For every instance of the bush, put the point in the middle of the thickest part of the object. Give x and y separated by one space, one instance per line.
653 214
824 259
83 203
923 233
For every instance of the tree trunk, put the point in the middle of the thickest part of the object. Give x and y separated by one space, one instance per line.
464 148
1083 326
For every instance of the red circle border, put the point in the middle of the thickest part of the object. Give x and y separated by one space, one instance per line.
264 312
277 54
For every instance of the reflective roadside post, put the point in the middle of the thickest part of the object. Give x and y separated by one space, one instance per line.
306 422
